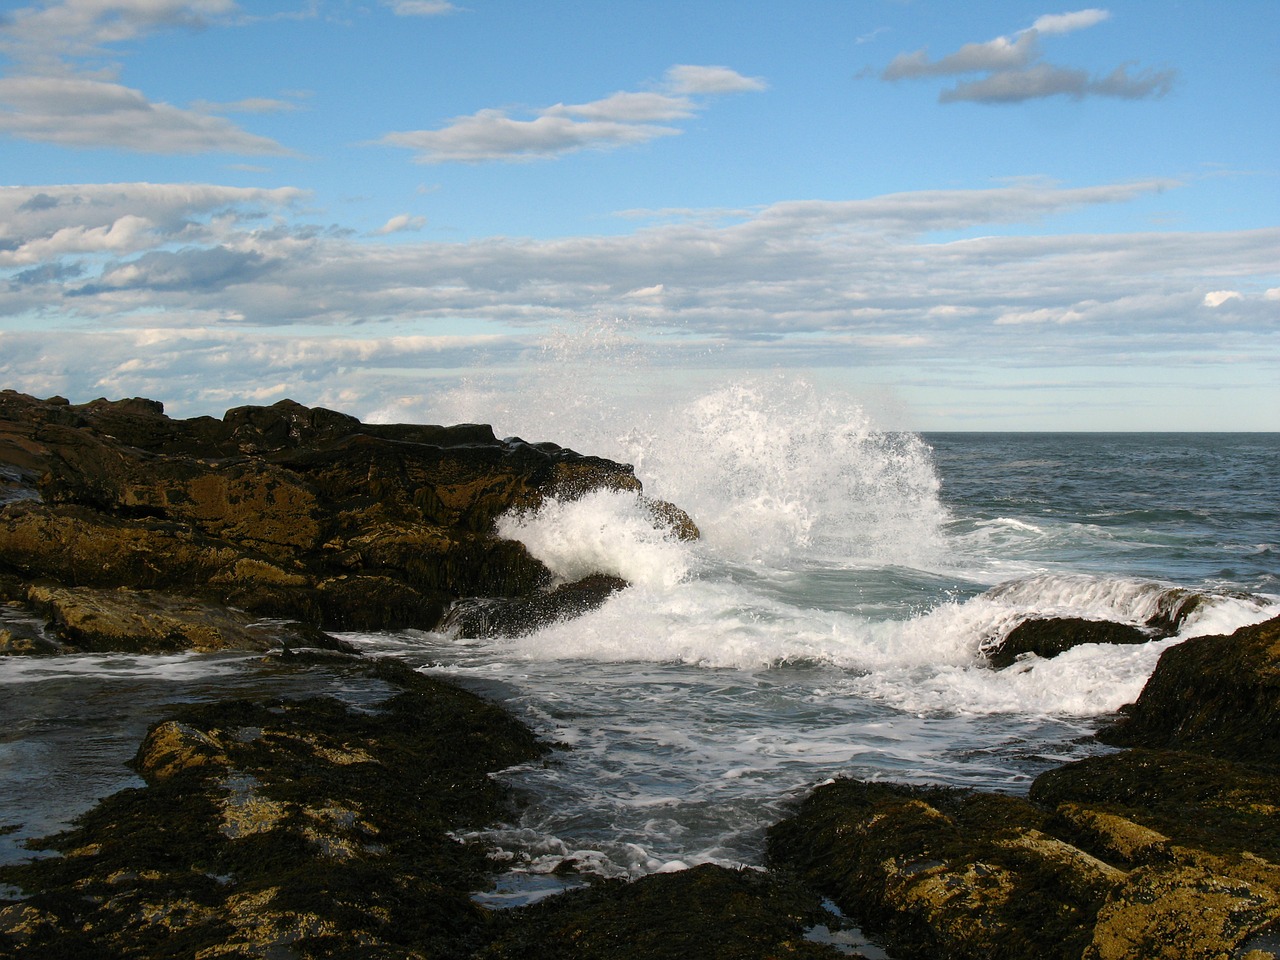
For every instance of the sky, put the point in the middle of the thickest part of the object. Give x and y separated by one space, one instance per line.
995 216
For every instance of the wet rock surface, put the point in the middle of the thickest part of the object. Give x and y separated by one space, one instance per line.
1048 637
1145 853
299 828
283 512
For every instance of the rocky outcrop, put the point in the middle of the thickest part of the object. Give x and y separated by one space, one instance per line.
1220 695
284 512
1147 853
1049 636
303 828
708 912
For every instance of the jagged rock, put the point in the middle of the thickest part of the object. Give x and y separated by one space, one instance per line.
1049 636
285 511
153 621
708 912
1217 694
515 617
304 829
1123 857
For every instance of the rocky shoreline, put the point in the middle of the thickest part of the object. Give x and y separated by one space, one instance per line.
312 828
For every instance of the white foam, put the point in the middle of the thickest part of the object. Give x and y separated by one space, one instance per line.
605 531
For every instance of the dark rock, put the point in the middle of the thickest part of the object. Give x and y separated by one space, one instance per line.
1078 874
153 621
1047 637
708 912
302 828
1216 694
285 511
498 617
1190 800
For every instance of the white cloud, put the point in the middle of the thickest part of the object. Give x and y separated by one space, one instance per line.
399 224
234 296
688 78
73 28
80 112
1216 298
1067 22
1015 71
625 118
421 8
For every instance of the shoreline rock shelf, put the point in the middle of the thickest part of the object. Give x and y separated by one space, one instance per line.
311 828
283 512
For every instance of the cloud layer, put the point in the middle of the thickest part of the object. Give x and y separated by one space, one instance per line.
217 292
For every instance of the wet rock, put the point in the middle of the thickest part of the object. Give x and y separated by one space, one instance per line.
157 622
1216 694
1125 857
303 829
1047 637
515 617
1131 807
937 872
284 511
708 912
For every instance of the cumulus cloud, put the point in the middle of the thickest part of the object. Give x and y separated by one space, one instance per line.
1216 298
1015 71
625 118
399 224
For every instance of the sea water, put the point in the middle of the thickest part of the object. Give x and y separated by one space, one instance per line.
829 621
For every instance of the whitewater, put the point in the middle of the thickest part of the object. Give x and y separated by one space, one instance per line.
829 621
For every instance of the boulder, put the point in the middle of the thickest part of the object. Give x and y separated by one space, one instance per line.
1049 636
502 617
1217 694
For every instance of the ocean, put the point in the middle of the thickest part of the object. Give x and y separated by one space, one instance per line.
828 623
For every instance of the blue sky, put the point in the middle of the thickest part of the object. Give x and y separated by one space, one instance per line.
1007 216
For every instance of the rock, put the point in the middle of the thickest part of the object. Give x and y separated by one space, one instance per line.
1047 637
708 912
1124 857
937 872
284 511
157 622
304 828
515 617
1216 694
